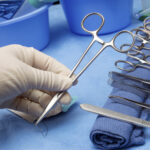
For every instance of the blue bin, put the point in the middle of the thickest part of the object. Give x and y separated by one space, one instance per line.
117 13
31 29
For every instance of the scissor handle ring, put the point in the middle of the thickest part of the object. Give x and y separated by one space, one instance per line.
146 57
147 26
125 62
136 52
139 35
90 14
146 48
142 39
146 43
146 20
131 45
124 45
140 27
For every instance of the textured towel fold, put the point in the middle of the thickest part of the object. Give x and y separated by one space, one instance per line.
108 133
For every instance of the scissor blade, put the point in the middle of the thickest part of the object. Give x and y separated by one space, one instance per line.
55 99
115 115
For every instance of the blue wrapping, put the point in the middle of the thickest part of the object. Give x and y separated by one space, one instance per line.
108 133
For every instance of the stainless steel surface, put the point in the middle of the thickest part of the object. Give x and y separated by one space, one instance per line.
141 35
146 82
55 99
131 66
115 115
127 86
95 39
142 41
143 105
139 56
147 24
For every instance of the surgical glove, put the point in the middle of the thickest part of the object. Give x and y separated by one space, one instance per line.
29 79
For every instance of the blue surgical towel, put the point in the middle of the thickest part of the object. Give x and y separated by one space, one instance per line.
108 133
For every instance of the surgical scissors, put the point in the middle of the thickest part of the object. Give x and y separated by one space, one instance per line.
104 44
142 62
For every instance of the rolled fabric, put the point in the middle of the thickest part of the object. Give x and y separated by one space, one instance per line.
108 133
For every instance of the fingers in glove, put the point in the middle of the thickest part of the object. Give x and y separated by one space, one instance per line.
66 99
27 106
39 97
44 80
44 98
55 111
38 59
35 102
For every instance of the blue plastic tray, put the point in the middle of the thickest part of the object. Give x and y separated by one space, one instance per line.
31 29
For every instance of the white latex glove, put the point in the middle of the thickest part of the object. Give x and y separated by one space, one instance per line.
29 79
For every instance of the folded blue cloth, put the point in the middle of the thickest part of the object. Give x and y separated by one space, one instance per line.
108 133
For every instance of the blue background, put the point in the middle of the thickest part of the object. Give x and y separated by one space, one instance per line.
68 130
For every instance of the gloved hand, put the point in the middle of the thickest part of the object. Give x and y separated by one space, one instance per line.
29 79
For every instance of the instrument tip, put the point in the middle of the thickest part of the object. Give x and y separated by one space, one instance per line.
82 105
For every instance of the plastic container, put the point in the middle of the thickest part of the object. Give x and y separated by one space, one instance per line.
117 13
31 29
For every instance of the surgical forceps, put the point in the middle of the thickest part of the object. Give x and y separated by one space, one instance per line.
142 37
104 44
143 105
140 31
147 24
123 82
142 62
121 76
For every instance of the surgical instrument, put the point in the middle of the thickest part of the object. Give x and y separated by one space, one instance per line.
120 80
143 105
115 115
128 83
141 38
147 23
104 44
142 62
141 32
131 65
114 74
130 87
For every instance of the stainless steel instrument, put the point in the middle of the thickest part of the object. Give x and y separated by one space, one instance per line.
104 44
115 115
